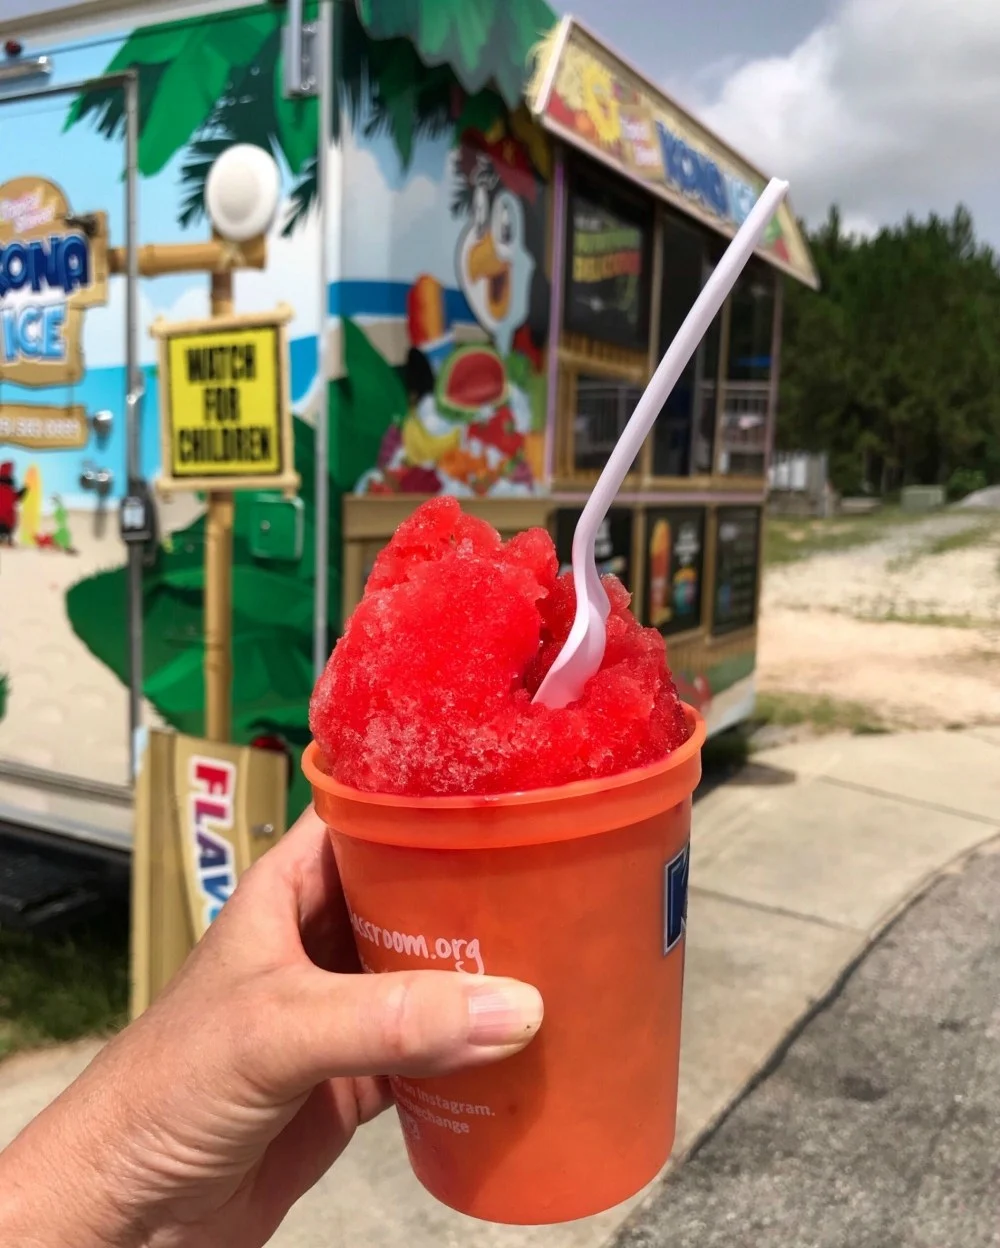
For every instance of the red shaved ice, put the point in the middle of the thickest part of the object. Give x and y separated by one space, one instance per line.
428 692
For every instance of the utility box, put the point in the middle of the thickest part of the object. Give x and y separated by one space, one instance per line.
276 529
922 497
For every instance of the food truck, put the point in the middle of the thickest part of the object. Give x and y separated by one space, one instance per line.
487 227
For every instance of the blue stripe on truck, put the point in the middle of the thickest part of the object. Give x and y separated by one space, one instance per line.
365 298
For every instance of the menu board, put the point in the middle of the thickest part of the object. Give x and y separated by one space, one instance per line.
607 273
613 548
675 558
737 566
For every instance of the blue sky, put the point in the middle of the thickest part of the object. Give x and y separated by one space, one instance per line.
387 206
884 106
89 168
89 162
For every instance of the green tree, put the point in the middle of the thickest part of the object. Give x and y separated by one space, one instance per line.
894 368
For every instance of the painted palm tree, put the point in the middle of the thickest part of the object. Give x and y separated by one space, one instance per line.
411 68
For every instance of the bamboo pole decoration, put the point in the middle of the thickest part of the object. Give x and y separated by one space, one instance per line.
218 256
219 577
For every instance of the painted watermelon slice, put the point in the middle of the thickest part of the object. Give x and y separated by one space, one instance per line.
470 379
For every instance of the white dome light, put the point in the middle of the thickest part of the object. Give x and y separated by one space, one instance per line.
242 192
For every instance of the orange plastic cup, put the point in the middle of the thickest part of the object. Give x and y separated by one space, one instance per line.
580 890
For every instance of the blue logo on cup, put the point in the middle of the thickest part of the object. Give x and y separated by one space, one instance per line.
675 897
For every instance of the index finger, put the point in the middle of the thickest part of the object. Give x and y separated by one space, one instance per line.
304 863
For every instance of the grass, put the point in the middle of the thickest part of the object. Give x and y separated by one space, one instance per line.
731 750
789 539
963 539
888 612
960 540
930 619
726 750
821 713
55 988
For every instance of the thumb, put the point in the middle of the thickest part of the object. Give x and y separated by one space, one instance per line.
406 1022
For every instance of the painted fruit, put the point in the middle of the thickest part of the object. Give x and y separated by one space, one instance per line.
419 481
499 432
425 310
392 440
470 379
585 126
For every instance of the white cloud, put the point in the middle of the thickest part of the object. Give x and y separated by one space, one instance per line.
858 224
391 226
104 329
394 234
888 107
291 277
193 303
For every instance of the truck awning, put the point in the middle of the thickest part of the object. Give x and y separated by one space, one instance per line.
583 93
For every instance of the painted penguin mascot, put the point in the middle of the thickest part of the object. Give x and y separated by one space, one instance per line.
499 259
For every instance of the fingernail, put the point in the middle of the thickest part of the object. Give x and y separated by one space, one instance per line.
503 1012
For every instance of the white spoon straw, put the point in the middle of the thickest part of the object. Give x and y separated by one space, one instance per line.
580 658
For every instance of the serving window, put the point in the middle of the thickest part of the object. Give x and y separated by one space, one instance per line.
737 568
747 393
751 324
634 268
684 434
608 264
602 410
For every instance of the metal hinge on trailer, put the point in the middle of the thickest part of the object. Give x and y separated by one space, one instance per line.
301 53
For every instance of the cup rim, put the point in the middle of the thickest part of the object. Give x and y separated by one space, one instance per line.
325 783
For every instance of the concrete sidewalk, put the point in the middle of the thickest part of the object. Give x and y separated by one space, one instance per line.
797 865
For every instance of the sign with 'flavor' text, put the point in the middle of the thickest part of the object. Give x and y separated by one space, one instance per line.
205 812
225 410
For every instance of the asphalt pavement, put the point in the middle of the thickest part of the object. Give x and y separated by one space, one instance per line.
878 1126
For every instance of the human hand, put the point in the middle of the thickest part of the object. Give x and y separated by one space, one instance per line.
206 1119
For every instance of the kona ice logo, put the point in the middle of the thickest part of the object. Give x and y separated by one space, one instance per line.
52 267
30 330
696 175
210 805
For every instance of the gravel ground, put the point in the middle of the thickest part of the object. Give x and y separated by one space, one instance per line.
990 497
907 631
899 576
878 1127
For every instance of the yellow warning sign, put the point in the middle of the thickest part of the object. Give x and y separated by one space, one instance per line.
225 407
225 411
